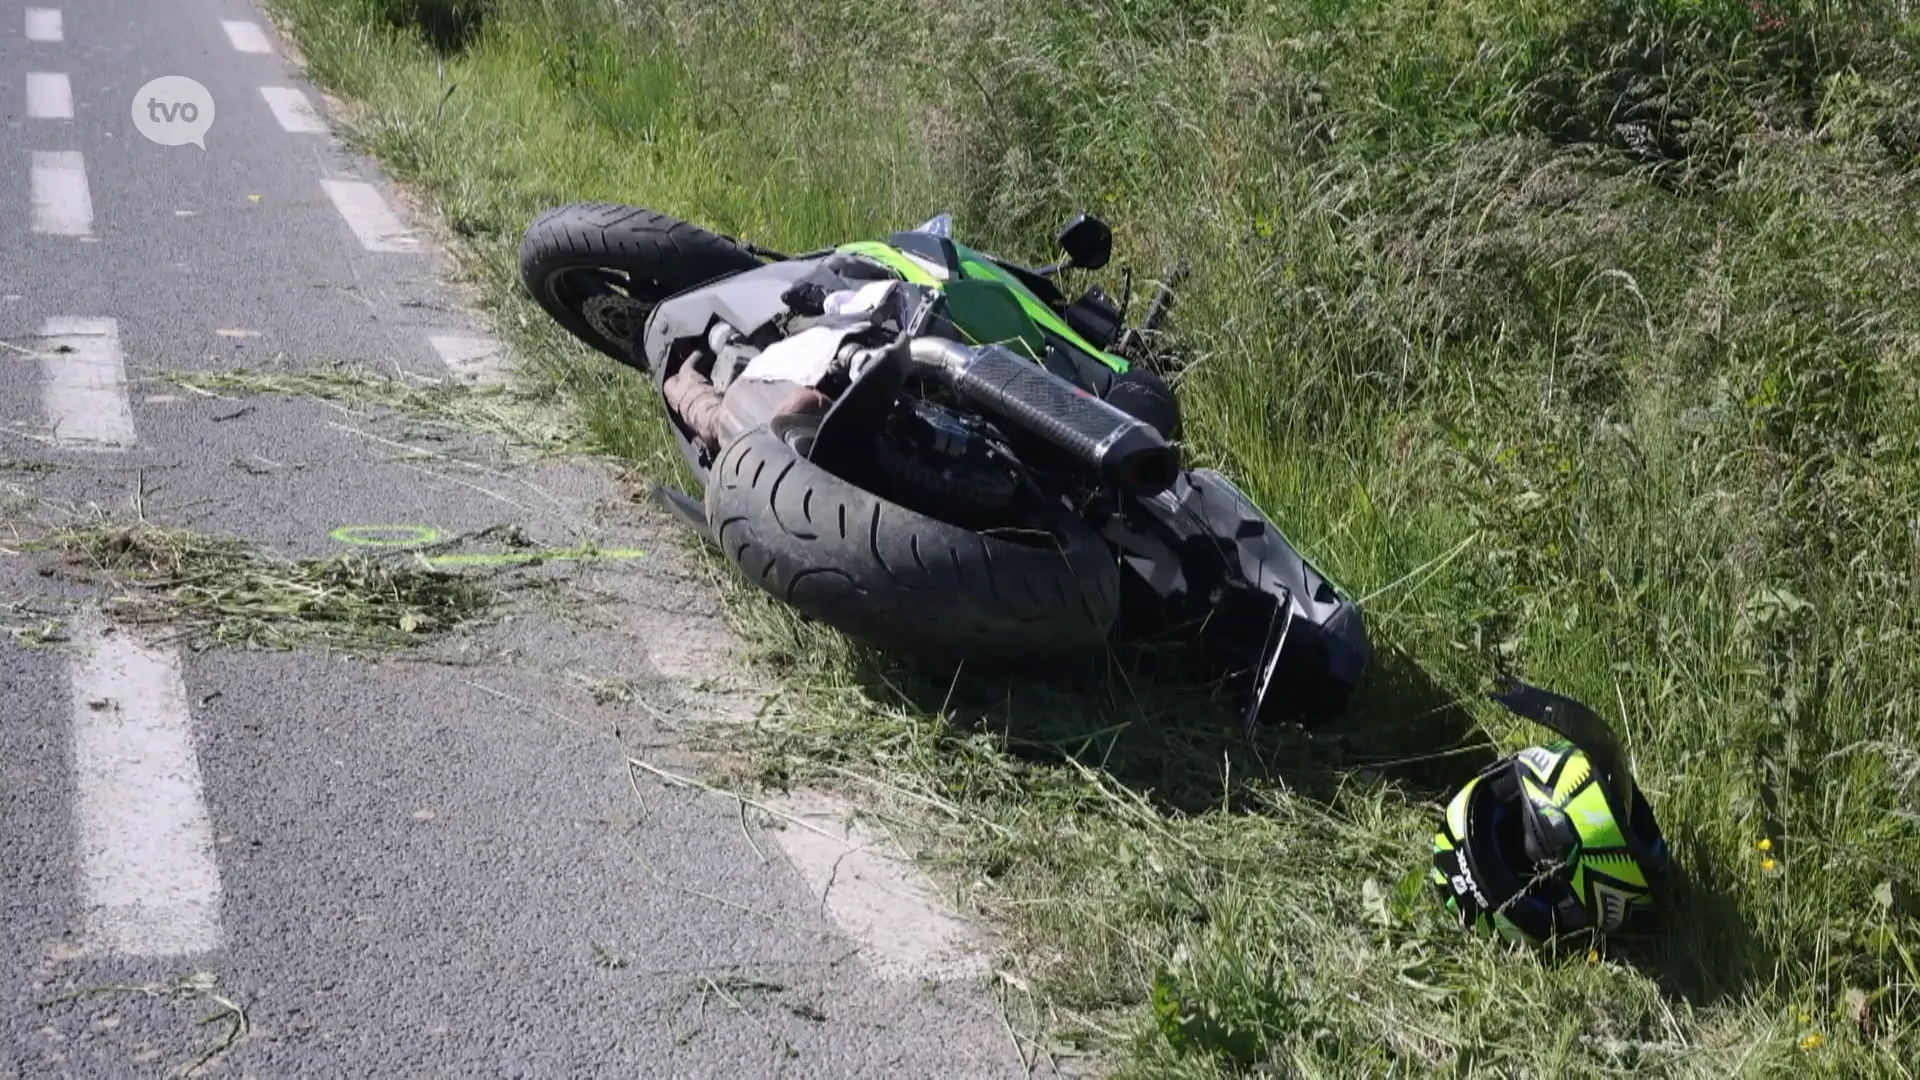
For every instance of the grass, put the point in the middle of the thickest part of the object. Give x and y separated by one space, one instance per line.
32 627
527 424
200 986
1579 337
228 592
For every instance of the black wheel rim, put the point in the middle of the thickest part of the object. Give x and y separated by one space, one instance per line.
613 304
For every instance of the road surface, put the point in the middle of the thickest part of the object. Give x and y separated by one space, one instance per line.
392 868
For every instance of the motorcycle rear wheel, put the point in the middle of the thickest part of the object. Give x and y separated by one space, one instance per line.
901 580
599 269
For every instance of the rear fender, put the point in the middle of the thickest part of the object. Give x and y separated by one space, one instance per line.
1207 557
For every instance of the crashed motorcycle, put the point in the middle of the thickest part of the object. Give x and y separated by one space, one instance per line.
936 451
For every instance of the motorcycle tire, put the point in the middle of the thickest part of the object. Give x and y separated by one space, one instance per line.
891 577
598 269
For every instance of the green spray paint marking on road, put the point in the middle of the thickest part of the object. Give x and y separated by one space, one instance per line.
386 535
412 536
543 555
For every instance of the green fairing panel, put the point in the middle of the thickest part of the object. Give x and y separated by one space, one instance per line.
979 268
909 269
988 312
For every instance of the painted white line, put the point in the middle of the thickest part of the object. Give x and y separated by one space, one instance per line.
83 384
43 24
293 110
368 216
876 896
49 96
147 872
61 202
480 360
246 36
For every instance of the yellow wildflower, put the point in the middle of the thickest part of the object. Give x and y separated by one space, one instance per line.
1768 865
1765 844
1812 1040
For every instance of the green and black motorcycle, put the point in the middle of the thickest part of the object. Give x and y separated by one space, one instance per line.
936 451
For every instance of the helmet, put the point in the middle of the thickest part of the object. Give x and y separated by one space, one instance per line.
1552 840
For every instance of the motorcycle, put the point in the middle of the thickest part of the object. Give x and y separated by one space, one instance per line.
934 450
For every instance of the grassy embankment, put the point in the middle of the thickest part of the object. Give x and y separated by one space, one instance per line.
1578 336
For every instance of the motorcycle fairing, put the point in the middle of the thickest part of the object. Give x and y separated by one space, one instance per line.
749 301
752 300
978 266
929 259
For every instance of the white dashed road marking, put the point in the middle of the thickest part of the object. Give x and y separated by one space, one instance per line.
246 36
368 216
292 109
61 204
479 360
49 96
148 876
83 384
43 24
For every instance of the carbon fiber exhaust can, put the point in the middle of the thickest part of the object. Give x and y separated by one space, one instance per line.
1123 449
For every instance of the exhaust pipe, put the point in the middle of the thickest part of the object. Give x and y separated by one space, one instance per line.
1124 450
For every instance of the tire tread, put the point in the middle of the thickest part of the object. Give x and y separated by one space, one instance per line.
903 580
641 242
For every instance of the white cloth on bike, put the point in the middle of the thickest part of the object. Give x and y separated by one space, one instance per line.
806 357
865 300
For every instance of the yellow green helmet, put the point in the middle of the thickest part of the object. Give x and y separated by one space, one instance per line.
1552 840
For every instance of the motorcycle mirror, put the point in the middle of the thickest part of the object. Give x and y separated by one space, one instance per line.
1087 241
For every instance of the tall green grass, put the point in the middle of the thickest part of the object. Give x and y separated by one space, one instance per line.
1578 337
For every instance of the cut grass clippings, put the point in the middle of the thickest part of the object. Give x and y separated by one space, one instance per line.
228 592
524 423
1578 335
201 986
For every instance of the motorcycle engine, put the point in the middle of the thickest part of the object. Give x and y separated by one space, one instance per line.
939 431
731 354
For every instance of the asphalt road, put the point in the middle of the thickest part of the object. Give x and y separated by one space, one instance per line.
394 868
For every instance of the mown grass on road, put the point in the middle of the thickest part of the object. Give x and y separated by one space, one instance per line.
214 590
1579 337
